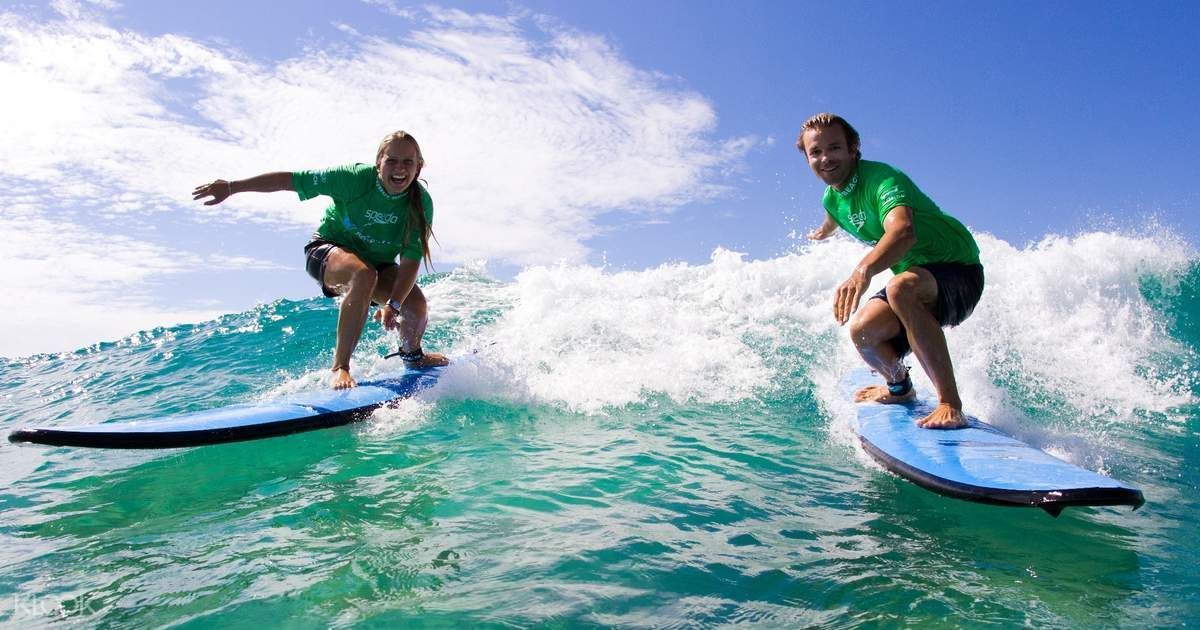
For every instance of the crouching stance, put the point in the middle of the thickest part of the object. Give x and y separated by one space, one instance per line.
938 278
379 212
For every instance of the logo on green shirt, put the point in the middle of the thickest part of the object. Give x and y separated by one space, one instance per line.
857 217
375 218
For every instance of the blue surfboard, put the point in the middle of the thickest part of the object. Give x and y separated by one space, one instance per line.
281 416
978 462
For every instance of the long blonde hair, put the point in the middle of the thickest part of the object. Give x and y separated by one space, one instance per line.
416 198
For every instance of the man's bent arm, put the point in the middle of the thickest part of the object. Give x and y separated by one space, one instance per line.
825 230
898 237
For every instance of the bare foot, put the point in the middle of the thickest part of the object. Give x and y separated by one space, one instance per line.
431 359
943 417
880 394
342 379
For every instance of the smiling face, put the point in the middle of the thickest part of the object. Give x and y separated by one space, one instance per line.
398 165
829 154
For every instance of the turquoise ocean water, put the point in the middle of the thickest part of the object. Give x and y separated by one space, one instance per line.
656 448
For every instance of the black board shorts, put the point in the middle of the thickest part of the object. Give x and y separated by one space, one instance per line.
315 254
959 289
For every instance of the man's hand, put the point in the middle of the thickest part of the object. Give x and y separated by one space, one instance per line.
849 294
823 231
898 237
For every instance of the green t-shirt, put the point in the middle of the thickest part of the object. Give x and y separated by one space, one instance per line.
873 190
363 217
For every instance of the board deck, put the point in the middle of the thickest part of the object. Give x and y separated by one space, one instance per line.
978 462
288 414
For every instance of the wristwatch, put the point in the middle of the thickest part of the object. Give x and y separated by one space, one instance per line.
395 305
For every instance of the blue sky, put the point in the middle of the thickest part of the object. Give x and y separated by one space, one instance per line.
621 133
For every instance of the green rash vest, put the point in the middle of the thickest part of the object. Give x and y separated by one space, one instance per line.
872 192
363 217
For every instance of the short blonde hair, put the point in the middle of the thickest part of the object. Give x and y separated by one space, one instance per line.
824 120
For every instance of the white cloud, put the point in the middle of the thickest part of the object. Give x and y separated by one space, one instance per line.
74 9
66 286
530 137
531 133
392 7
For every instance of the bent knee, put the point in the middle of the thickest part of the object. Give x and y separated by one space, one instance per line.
873 326
902 286
415 304
910 289
361 277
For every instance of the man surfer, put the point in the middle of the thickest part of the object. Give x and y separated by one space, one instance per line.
938 278
378 213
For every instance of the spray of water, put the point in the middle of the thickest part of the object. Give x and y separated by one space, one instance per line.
1063 330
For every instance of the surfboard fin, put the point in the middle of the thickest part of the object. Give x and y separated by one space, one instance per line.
1052 510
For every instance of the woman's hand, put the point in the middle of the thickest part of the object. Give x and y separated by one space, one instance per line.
219 190
386 315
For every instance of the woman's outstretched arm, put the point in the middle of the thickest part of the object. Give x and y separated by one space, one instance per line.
221 189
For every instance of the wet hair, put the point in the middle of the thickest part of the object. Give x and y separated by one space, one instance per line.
826 119
416 198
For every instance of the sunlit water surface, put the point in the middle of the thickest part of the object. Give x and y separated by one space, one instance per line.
660 448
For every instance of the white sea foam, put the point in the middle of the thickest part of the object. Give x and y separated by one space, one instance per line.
400 416
1063 318
589 338
1063 327
1067 316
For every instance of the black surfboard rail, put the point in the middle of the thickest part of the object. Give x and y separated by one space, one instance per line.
305 417
1052 501
181 439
